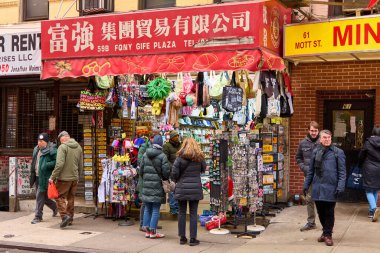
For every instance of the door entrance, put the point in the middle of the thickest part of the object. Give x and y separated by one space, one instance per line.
351 122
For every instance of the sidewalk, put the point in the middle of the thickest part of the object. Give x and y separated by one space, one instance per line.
353 232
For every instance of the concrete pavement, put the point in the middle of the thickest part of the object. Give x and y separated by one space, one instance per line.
353 232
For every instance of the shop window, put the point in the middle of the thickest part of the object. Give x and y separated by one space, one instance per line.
90 7
35 9
154 4
35 106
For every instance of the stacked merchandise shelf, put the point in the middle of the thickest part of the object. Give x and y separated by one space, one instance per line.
88 163
128 126
101 151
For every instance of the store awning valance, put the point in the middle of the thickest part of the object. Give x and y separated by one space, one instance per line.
253 60
246 35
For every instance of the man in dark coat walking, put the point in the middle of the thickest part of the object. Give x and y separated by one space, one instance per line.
369 158
327 173
43 162
305 149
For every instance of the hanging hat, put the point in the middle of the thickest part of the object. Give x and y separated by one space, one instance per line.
138 142
189 100
44 137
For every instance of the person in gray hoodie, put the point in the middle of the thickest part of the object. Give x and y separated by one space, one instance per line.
66 175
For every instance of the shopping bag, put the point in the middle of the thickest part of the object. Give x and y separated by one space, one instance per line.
355 179
52 191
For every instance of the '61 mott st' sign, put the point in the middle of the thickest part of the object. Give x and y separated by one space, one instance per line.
336 36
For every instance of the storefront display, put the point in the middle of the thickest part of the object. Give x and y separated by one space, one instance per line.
216 97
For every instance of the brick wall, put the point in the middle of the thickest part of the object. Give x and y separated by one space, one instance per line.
314 82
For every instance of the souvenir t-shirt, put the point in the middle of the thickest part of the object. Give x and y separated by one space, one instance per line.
275 85
266 83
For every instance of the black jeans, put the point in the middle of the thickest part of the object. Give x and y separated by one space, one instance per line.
326 216
182 206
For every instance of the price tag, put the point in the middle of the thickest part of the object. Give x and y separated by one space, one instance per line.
243 202
268 158
267 148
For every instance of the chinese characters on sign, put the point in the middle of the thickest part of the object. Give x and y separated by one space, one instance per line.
138 35
236 26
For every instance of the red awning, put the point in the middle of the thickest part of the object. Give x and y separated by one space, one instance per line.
253 60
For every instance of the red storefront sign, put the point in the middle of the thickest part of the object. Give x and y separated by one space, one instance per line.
123 38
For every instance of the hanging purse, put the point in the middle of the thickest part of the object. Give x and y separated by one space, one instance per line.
232 98
91 98
167 184
216 90
242 83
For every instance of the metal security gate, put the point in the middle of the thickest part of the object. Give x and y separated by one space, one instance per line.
72 120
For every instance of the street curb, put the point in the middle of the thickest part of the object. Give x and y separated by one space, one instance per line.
43 248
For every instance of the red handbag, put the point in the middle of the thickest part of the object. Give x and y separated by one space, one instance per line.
52 191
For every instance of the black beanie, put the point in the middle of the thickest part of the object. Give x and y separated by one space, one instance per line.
44 137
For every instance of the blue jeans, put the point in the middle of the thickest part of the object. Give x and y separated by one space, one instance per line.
151 214
173 203
142 209
372 196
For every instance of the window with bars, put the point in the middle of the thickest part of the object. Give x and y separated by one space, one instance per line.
153 4
72 119
11 120
35 106
27 112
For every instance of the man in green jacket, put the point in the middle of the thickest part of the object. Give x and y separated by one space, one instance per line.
43 162
170 149
66 175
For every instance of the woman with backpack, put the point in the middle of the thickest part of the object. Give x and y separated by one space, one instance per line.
153 168
186 172
369 159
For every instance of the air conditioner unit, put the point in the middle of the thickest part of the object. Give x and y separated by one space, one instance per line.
354 5
88 7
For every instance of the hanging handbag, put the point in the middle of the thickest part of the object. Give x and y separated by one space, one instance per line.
167 184
216 90
243 84
232 98
91 98
355 180
249 88
52 191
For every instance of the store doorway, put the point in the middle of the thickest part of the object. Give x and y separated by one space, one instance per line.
351 122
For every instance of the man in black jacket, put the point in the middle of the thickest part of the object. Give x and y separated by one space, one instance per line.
305 149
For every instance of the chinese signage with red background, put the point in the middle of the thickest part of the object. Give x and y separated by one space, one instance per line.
211 37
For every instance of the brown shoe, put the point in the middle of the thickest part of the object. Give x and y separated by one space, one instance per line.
329 241
321 238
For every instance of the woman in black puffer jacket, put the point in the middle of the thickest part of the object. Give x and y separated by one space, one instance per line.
369 158
186 172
